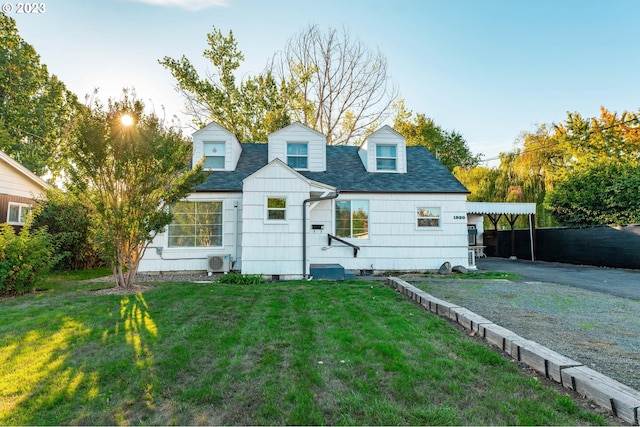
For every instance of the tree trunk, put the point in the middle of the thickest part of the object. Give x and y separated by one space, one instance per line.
125 279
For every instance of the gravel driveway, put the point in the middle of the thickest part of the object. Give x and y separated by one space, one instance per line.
596 329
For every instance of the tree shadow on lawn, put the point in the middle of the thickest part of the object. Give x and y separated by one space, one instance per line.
76 370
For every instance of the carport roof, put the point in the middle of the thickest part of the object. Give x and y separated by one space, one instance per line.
495 208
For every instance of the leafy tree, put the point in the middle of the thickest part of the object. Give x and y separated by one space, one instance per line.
530 170
128 176
559 153
251 110
604 193
341 88
35 107
450 148
67 220
587 141
330 82
483 183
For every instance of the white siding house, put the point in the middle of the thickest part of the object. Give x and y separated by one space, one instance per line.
280 208
18 187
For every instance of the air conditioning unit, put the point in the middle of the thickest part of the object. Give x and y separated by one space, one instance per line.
218 263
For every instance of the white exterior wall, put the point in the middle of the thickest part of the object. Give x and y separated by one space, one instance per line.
195 259
384 136
216 133
395 242
273 247
14 183
296 132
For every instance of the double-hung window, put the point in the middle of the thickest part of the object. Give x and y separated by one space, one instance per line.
276 209
17 214
298 155
386 157
196 225
352 219
428 217
214 155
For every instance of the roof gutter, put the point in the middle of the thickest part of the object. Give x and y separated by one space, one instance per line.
331 196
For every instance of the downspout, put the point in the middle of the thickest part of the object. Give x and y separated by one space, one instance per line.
304 226
235 232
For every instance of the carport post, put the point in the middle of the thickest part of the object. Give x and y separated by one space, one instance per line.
531 225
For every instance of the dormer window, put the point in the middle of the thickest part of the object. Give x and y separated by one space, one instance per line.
214 155
386 158
297 155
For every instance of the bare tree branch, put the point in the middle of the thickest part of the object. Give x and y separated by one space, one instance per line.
343 87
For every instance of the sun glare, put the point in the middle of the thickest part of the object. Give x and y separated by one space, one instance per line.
126 119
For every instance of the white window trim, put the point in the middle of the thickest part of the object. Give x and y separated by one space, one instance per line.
386 158
428 228
224 155
173 249
266 209
286 148
20 206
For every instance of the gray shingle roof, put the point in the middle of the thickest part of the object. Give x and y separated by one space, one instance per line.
345 171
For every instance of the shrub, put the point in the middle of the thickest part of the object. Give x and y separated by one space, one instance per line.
602 193
24 259
67 221
241 279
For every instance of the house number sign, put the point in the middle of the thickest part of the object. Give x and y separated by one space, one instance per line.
459 217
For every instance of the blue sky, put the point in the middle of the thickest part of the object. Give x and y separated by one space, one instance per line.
486 69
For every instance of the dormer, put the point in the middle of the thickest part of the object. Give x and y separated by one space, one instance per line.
220 148
299 147
384 151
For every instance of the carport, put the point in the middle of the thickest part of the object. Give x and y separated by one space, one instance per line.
511 211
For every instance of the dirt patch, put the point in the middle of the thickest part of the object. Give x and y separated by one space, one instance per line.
143 282
124 291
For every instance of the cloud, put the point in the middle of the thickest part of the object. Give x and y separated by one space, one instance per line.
186 4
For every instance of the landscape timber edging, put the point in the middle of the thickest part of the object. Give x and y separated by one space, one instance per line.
621 400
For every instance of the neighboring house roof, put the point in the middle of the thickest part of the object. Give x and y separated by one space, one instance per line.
345 171
30 176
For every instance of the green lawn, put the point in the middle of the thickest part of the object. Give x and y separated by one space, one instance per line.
287 353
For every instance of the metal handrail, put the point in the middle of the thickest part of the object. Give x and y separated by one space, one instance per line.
344 242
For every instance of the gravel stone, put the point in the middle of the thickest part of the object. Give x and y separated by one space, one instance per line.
601 331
